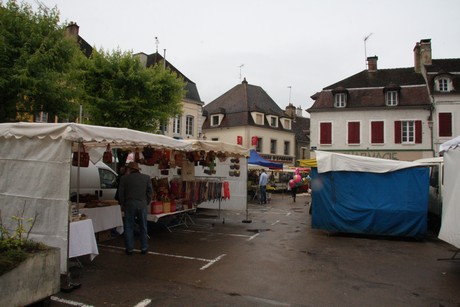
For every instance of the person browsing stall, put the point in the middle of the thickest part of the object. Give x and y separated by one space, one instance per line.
135 194
263 179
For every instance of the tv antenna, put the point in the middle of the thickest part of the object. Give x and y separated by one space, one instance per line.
241 66
290 88
365 50
157 42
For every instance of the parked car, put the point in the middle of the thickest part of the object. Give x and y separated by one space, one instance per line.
97 180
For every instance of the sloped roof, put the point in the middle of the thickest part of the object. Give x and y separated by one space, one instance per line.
191 88
380 78
300 126
237 104
444 66
366 90
244 97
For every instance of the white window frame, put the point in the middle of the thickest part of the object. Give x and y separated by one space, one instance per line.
176 125
391 98
287 148
443 84
408 132
189 121
287 124
213 117
273 146
340 100
273 121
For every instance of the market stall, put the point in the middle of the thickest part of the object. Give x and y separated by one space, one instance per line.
35 163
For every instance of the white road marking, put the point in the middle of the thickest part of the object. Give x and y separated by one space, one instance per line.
212 262
209 261
252 237
215 233
68 302
274 223
144 303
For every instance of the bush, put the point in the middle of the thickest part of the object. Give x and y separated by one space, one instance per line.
15 247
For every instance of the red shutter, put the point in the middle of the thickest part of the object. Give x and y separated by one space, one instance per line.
353 133
377 132
325 136
397 132
239 140
445 124
418 132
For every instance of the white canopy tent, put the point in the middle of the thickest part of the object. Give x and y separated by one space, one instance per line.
450 217
35 160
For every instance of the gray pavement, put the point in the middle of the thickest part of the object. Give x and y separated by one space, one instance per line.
276 260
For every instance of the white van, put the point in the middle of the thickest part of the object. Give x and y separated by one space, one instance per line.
96 179
436 165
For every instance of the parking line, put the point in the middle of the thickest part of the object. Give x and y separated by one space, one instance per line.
209 261
68 302
216 233
144 303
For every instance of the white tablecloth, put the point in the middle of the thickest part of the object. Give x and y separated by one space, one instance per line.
105 217
82 240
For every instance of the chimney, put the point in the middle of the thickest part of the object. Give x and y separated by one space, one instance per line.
72 30
422 54
372 63
290 110
298 111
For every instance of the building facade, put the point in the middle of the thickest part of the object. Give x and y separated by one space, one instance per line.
443 82
246 115
383 113
188 124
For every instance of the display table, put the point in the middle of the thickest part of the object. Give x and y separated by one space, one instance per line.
105 217
82 240
182 216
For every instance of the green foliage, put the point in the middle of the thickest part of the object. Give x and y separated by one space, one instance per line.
123 93
15 247
37 63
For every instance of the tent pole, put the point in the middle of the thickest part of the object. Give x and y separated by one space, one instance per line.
247 220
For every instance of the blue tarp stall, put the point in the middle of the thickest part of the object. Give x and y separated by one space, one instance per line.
361 195
255 158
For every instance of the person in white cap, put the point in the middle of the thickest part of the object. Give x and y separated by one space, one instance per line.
135 194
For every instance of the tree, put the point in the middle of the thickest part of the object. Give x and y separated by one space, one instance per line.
37 64
120 92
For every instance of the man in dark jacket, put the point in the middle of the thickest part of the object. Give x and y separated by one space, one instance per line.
135 194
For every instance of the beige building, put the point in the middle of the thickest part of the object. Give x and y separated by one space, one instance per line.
188 124
246 115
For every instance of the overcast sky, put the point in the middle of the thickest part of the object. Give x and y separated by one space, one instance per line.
302 44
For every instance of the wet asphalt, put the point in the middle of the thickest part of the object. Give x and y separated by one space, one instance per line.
267 256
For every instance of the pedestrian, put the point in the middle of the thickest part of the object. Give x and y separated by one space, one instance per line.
294 191
135 195
263 187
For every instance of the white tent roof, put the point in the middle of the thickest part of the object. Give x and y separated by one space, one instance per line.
90 135
218 146
450 144
330 161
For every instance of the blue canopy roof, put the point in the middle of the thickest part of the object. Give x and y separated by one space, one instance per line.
255 158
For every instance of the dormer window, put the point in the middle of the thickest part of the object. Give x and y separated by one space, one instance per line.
273 120
216 120
443 84
392 94
340 97
391 98
340 100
